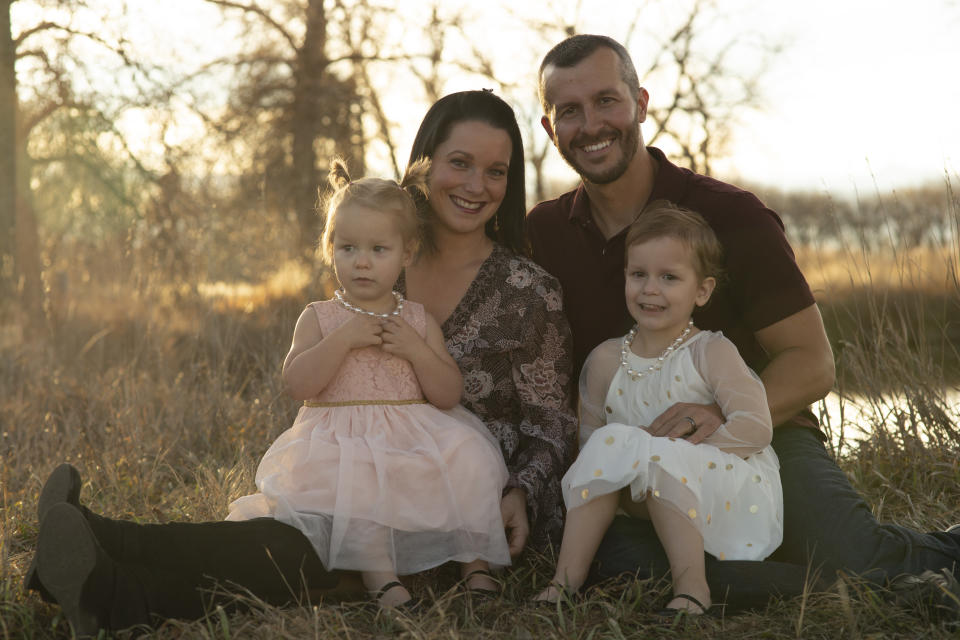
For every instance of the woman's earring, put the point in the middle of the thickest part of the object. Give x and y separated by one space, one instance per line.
496 223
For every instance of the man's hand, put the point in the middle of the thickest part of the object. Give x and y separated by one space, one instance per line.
693 422
513 510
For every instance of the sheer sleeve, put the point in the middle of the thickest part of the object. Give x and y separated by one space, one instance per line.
595 377
739 393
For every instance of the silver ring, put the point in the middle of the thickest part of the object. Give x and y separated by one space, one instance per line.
693 423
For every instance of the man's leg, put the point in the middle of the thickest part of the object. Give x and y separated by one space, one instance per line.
631 547
829 526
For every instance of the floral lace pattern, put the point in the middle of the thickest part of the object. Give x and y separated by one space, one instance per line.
381 375
513 345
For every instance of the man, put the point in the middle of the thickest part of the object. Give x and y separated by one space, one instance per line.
593 107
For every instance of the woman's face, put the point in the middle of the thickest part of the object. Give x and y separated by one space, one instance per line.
468 179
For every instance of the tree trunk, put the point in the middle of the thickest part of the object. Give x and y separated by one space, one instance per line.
8 148
27 253
306 125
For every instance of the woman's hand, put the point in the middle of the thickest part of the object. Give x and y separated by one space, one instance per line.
692 422
513 510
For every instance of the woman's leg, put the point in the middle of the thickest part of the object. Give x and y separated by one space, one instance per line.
683 545
166 570
582 533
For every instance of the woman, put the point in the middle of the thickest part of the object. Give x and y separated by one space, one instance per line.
502 321
501 314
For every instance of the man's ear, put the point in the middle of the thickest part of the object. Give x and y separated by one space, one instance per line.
545 123
643 98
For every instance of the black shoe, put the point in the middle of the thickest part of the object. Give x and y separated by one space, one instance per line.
480 593
73 568
566 597
672 613
936 592
411 607
955 529
62 485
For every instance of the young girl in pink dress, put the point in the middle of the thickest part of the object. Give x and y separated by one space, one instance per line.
721 495
383 471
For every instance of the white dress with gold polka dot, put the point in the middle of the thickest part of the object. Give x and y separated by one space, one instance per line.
728 486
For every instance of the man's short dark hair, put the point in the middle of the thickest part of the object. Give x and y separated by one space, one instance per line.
575 49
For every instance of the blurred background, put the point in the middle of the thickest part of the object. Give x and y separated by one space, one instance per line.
161 162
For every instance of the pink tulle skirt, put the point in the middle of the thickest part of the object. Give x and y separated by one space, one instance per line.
385 487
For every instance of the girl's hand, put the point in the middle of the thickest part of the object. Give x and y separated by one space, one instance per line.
400 339
360 331
692 422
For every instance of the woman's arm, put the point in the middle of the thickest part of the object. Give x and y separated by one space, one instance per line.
541 371
436 370
313 358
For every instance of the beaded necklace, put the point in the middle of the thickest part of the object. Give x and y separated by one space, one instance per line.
656 366
338 294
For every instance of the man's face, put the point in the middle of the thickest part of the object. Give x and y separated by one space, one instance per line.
594 120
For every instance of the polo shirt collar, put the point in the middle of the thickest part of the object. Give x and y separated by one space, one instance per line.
580 210
670 180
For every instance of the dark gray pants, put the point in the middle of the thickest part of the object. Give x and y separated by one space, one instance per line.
182 569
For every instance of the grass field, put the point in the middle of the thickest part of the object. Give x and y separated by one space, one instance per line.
165 398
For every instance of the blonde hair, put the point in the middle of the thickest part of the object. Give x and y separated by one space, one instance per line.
378 194
662 218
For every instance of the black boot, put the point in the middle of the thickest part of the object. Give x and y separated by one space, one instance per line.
62 485
74 570
96 592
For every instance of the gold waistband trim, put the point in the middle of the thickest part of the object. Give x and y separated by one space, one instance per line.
350 403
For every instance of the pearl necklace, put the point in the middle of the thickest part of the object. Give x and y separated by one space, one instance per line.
656 366
338 294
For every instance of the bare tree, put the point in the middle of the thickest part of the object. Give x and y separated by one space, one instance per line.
289 109
74 167
707 92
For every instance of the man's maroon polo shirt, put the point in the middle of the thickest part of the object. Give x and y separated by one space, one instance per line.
763 283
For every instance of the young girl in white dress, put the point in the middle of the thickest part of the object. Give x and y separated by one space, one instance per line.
721 495
383 471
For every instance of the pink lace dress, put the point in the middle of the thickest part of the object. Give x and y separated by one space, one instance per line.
377 478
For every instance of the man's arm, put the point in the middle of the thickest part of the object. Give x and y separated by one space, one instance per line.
800 372
801 369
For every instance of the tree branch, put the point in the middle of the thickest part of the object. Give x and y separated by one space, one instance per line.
262 14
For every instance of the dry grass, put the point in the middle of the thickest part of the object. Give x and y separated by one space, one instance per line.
834 273
166 397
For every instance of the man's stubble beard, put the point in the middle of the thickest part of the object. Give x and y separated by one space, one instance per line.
628 147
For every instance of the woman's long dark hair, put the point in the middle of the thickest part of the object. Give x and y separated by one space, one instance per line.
508 225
